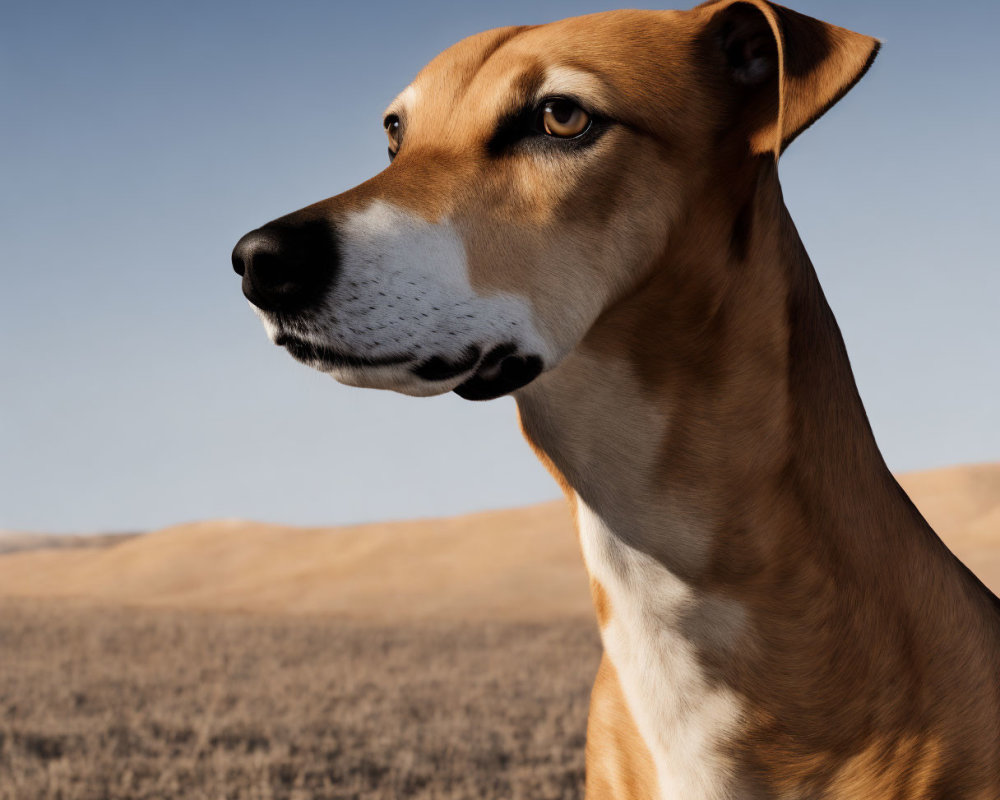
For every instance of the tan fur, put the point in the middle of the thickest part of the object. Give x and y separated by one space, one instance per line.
618 761
704 404
602 603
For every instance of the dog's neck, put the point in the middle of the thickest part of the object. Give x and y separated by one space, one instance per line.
732 501
716 400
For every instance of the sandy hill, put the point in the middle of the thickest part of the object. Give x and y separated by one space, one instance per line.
522 563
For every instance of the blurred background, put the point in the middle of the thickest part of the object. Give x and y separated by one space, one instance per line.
140 141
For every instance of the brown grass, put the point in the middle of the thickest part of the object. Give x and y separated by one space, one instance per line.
141 704
428 659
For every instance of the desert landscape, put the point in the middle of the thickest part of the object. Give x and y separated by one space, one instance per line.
430 659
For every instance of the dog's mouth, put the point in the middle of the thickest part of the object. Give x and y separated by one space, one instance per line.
470 374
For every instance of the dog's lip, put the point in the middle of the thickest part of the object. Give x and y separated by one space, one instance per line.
476 376
505 369
439 368
470 362
310 353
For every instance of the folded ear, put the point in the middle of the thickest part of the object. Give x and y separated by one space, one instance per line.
790 68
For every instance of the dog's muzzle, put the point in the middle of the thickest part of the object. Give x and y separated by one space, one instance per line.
290 271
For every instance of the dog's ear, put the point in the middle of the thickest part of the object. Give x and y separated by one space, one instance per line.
786 68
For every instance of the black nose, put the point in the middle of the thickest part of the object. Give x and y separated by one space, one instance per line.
286 266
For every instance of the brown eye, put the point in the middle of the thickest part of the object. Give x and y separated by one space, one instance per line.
392 130
564 118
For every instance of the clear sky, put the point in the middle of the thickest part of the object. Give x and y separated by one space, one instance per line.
138 141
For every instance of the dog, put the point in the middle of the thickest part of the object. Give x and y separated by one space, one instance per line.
587 215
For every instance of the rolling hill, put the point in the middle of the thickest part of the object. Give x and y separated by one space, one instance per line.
521 564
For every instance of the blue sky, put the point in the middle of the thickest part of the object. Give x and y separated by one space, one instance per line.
138 141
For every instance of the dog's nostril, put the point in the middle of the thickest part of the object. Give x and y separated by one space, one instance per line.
286 266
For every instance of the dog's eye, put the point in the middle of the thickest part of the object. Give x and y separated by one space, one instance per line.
394 132
557 124
563 118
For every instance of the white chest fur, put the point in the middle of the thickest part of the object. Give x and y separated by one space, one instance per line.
682 717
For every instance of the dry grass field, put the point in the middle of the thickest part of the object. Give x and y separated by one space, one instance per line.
120 704
228 660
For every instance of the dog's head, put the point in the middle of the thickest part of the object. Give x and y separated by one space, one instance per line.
537 175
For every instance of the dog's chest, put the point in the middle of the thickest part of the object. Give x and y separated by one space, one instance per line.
682 716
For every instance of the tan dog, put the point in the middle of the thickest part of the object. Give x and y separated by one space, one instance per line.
588 214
